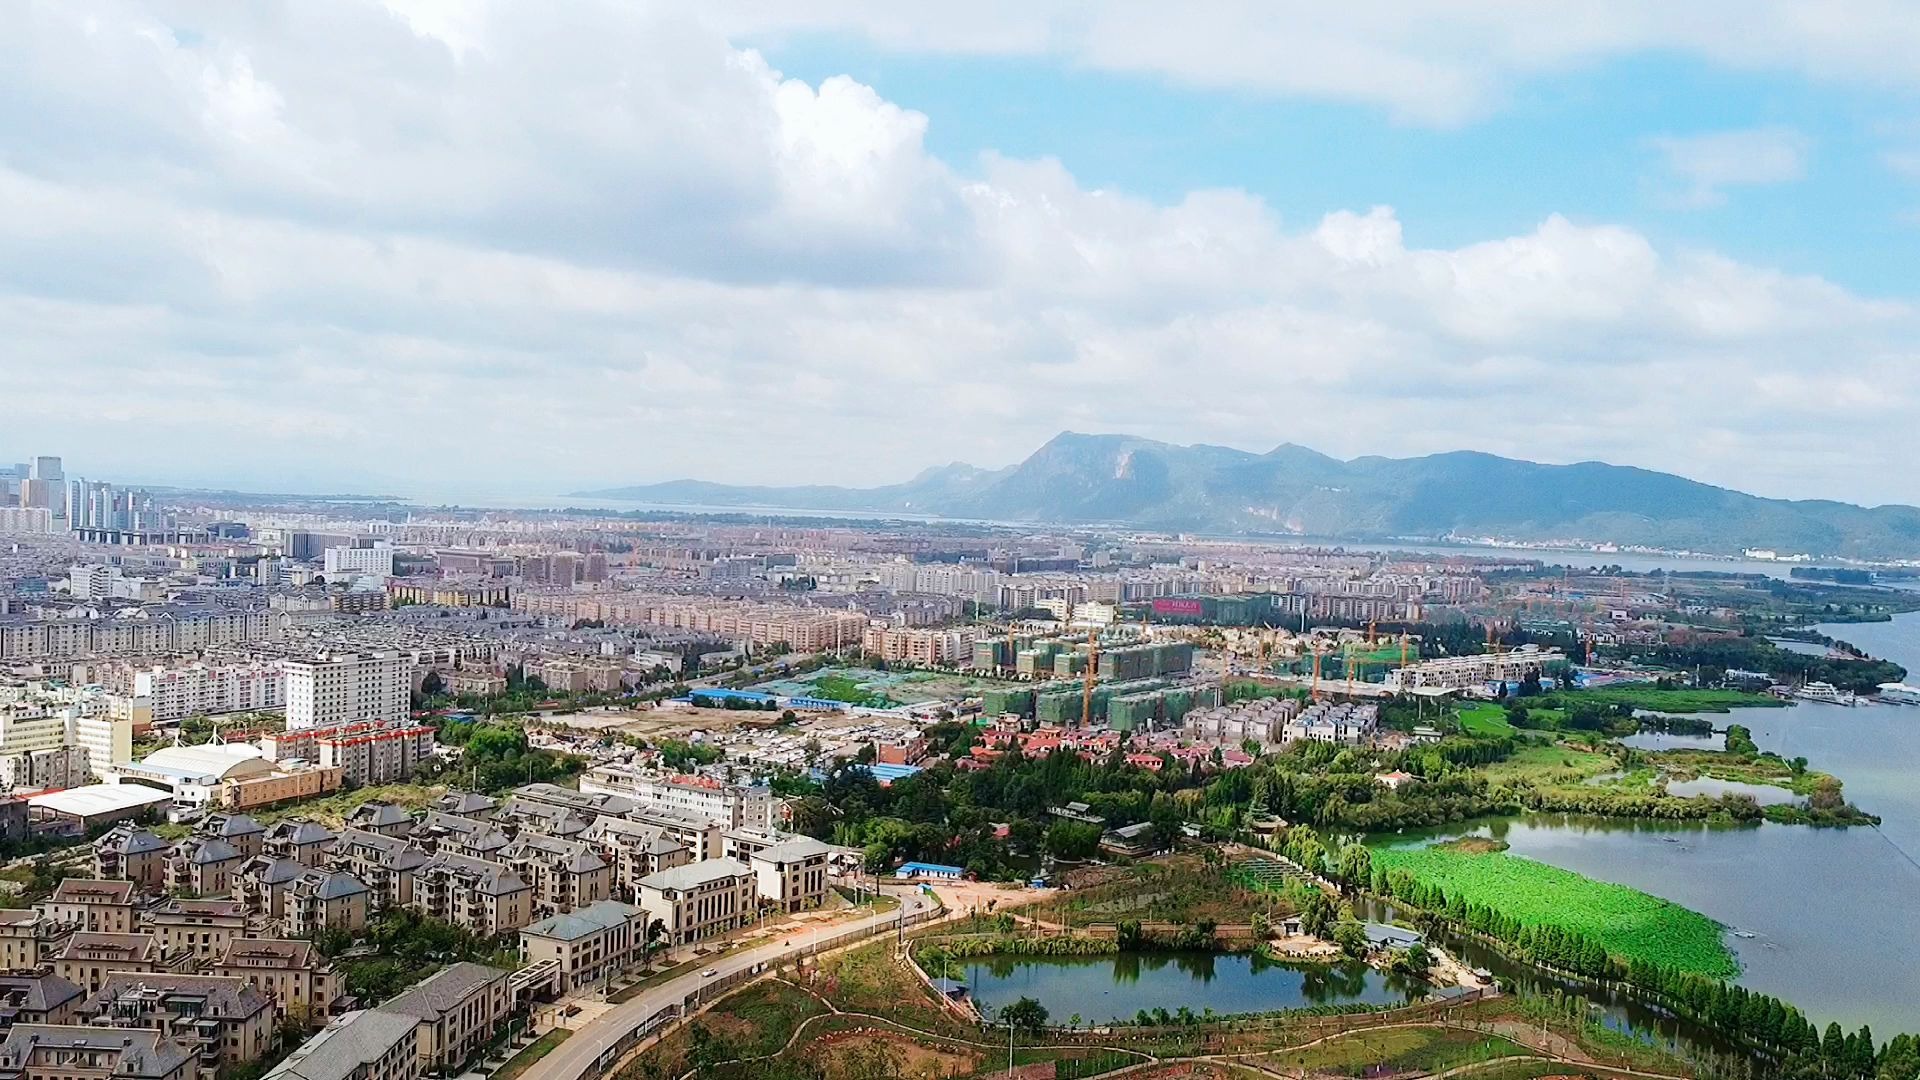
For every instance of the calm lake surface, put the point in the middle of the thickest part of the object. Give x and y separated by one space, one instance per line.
1833 914
1103 988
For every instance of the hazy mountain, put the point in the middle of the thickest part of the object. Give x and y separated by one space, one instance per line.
1125 480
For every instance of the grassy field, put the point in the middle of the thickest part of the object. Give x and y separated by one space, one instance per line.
1176 889
1548 765
1626 922
1373 1053
1485 720
1654 699
333 810
1543 1070
760 1018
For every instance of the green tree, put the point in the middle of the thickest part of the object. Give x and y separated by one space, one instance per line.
706 1049
1025 1014
1318 914
1354 867
1073 839
1351 937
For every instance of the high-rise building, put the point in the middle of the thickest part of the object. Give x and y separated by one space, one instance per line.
92 582
345 688
360 557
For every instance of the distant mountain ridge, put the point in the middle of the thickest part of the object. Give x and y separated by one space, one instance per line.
1126 480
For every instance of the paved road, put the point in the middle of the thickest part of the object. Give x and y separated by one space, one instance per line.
576 1058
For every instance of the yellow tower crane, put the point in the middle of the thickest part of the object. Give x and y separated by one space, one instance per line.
1086 687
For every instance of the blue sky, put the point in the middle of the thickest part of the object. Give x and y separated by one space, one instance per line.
1579 143
529 248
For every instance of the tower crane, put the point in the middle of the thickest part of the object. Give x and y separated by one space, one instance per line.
1086 687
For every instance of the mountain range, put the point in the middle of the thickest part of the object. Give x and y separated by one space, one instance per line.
1130 481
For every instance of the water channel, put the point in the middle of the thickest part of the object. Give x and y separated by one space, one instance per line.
1116 987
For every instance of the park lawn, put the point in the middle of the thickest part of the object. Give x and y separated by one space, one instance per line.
1626 922
759 1019
869 980
526 1059
1418 1049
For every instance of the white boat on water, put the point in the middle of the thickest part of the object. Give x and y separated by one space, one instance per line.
1899 693
1827 692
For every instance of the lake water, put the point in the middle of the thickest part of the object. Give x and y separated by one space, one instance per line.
1804 648
1635 562
1834 914
1116 987
1764 794
1666 740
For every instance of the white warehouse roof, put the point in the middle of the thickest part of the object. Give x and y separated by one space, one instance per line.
219 761
96 799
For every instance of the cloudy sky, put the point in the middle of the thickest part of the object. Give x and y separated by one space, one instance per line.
524 248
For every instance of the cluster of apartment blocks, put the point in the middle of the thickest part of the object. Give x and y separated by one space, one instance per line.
698 855
1274 722
927 647
100 982
547 862
137 631
802 629
1464 672
190 988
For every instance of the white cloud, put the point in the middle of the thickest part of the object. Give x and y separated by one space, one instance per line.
1711 162
540 247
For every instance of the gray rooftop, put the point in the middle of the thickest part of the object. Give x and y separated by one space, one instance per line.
392 852
694 875
595 917
443 991
232 825
345 1047
205 850
378 815
36 993
268 870
227 998
797 849
555 795
300 833
464 802
141 1053
199 908
129 840
328 885
490 878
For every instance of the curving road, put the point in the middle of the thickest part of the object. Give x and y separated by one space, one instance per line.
579 1057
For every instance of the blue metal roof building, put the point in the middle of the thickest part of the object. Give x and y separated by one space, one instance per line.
721 694
930 870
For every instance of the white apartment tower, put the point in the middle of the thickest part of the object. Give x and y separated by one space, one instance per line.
345 688
373 557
